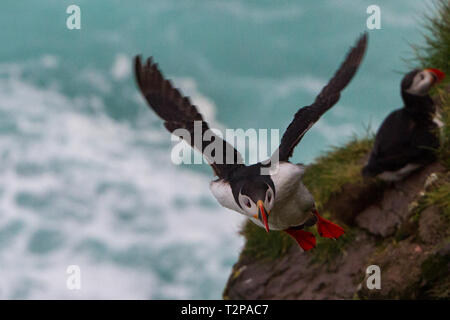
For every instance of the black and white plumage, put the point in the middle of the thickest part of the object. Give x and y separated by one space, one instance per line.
408 137
277 201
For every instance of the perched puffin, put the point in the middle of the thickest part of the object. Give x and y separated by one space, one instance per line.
276 201
408 137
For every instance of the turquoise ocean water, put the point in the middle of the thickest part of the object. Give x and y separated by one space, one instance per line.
85 171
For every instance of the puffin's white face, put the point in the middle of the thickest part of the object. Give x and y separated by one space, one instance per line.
251 208
259 209
422 83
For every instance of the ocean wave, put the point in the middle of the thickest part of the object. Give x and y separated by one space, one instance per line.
121 68
335 133
258 14
86 190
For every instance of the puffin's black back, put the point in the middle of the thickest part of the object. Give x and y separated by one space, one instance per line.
402 140
407 135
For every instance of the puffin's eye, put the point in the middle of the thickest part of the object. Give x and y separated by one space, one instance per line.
247 203
269 196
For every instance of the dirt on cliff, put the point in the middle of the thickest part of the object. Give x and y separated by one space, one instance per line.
410 246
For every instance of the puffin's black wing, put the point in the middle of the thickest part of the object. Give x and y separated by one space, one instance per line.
307 116
178 113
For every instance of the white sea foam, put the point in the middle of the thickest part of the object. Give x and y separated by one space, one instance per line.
335 133
83 189
258 14
121 68
96 79
307 83
49 61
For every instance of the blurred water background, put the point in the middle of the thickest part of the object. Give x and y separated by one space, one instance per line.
85 171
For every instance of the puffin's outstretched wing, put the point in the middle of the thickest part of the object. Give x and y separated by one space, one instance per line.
178 113
307 116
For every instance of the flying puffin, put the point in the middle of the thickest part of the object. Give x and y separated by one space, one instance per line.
276 201
407 138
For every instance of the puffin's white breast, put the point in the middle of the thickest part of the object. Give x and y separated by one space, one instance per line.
293 202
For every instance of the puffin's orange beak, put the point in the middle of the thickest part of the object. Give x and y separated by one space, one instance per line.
437 73
263 215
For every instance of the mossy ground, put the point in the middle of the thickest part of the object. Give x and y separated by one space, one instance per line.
341 165
262 245
437 196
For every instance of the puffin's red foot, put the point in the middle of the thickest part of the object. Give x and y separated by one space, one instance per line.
327 228
305 239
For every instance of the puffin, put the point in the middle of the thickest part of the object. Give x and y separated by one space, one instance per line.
272 199
408 137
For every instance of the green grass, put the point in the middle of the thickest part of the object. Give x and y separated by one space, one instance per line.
438 196
435 51
444 150
263 245
341 165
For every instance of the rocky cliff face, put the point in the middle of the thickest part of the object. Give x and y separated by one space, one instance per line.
387 225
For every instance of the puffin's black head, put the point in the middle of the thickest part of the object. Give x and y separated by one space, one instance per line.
419 82
256 196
